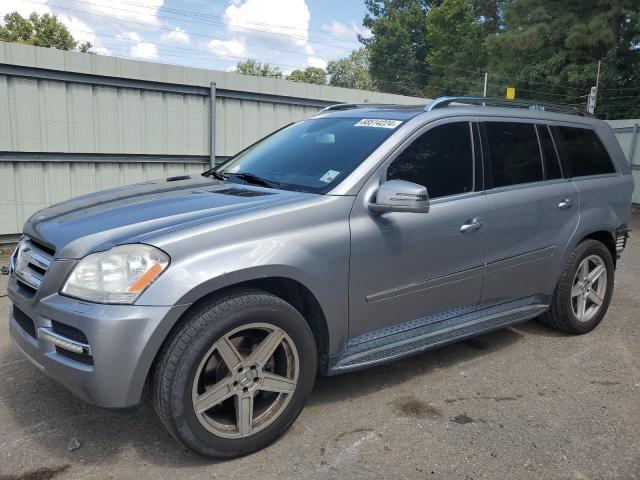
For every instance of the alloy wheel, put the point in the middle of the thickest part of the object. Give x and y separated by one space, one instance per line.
245 381
589 288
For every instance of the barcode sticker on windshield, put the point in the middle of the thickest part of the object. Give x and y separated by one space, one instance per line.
378 123
329 176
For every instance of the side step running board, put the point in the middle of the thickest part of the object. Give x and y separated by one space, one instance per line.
410 342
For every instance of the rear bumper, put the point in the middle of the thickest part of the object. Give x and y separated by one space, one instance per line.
122 342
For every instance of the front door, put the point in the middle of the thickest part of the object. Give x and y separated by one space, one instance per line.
410 269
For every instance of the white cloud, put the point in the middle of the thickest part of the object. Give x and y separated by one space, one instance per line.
339 29
140 49
317 62
279 22
177 35
24 8
82 32
227 48
143 11
144 50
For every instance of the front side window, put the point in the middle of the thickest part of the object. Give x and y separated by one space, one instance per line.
313 155
514 153
441 159
583 152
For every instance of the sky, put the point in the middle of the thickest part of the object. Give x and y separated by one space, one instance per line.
214 34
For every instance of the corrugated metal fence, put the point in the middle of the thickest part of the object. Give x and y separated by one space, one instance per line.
628 134
74 123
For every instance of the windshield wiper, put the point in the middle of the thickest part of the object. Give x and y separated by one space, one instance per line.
254 179
214 174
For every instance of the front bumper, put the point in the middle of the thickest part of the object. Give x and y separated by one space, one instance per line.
122 341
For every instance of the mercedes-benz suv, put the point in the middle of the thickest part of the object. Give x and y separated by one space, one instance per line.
356 237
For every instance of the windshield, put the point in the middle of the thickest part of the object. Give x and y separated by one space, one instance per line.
313 155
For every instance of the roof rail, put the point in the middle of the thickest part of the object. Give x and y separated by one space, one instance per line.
443 102
340 106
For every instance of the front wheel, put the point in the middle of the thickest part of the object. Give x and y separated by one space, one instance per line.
583 293
236 375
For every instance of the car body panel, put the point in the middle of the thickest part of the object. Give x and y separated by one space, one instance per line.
423 263
528 234
131 214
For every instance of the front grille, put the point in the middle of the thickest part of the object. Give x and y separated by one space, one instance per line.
69 332
76 357
41 246
31 264
24 321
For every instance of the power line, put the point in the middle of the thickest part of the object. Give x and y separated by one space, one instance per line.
226 24
209 37
225 21
270 32
232 58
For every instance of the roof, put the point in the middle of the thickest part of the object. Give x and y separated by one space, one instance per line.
386 111
447 106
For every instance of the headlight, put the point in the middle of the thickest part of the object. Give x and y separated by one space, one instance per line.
118 275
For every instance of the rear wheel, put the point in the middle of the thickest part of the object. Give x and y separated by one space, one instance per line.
235 376
583 293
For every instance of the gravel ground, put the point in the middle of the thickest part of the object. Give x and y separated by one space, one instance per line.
523 402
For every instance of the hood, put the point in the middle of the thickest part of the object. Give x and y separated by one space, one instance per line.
101 220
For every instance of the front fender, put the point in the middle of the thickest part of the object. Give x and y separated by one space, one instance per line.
308 245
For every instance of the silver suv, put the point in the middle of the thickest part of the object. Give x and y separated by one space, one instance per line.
359 236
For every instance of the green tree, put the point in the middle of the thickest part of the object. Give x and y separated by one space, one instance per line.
351 71
457 50
489 13
41 31
256 68
398 46
550 51
313 75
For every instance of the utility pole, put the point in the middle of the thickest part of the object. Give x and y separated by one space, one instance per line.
593 94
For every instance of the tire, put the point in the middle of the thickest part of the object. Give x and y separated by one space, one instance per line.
564 313
194 361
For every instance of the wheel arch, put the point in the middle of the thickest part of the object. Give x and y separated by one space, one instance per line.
603 236
288 289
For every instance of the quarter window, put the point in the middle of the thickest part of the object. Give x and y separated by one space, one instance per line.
514 153
441 159
551 164
583 152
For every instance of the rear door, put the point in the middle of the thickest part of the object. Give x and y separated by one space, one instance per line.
534 210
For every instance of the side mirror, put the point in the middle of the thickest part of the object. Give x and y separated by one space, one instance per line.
401 196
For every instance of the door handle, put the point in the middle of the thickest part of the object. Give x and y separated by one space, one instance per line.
471 225
566 203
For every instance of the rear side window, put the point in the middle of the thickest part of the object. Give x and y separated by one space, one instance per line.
440 159
583 152
514 152
549 154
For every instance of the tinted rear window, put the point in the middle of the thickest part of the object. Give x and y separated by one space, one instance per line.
514 152
583 152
